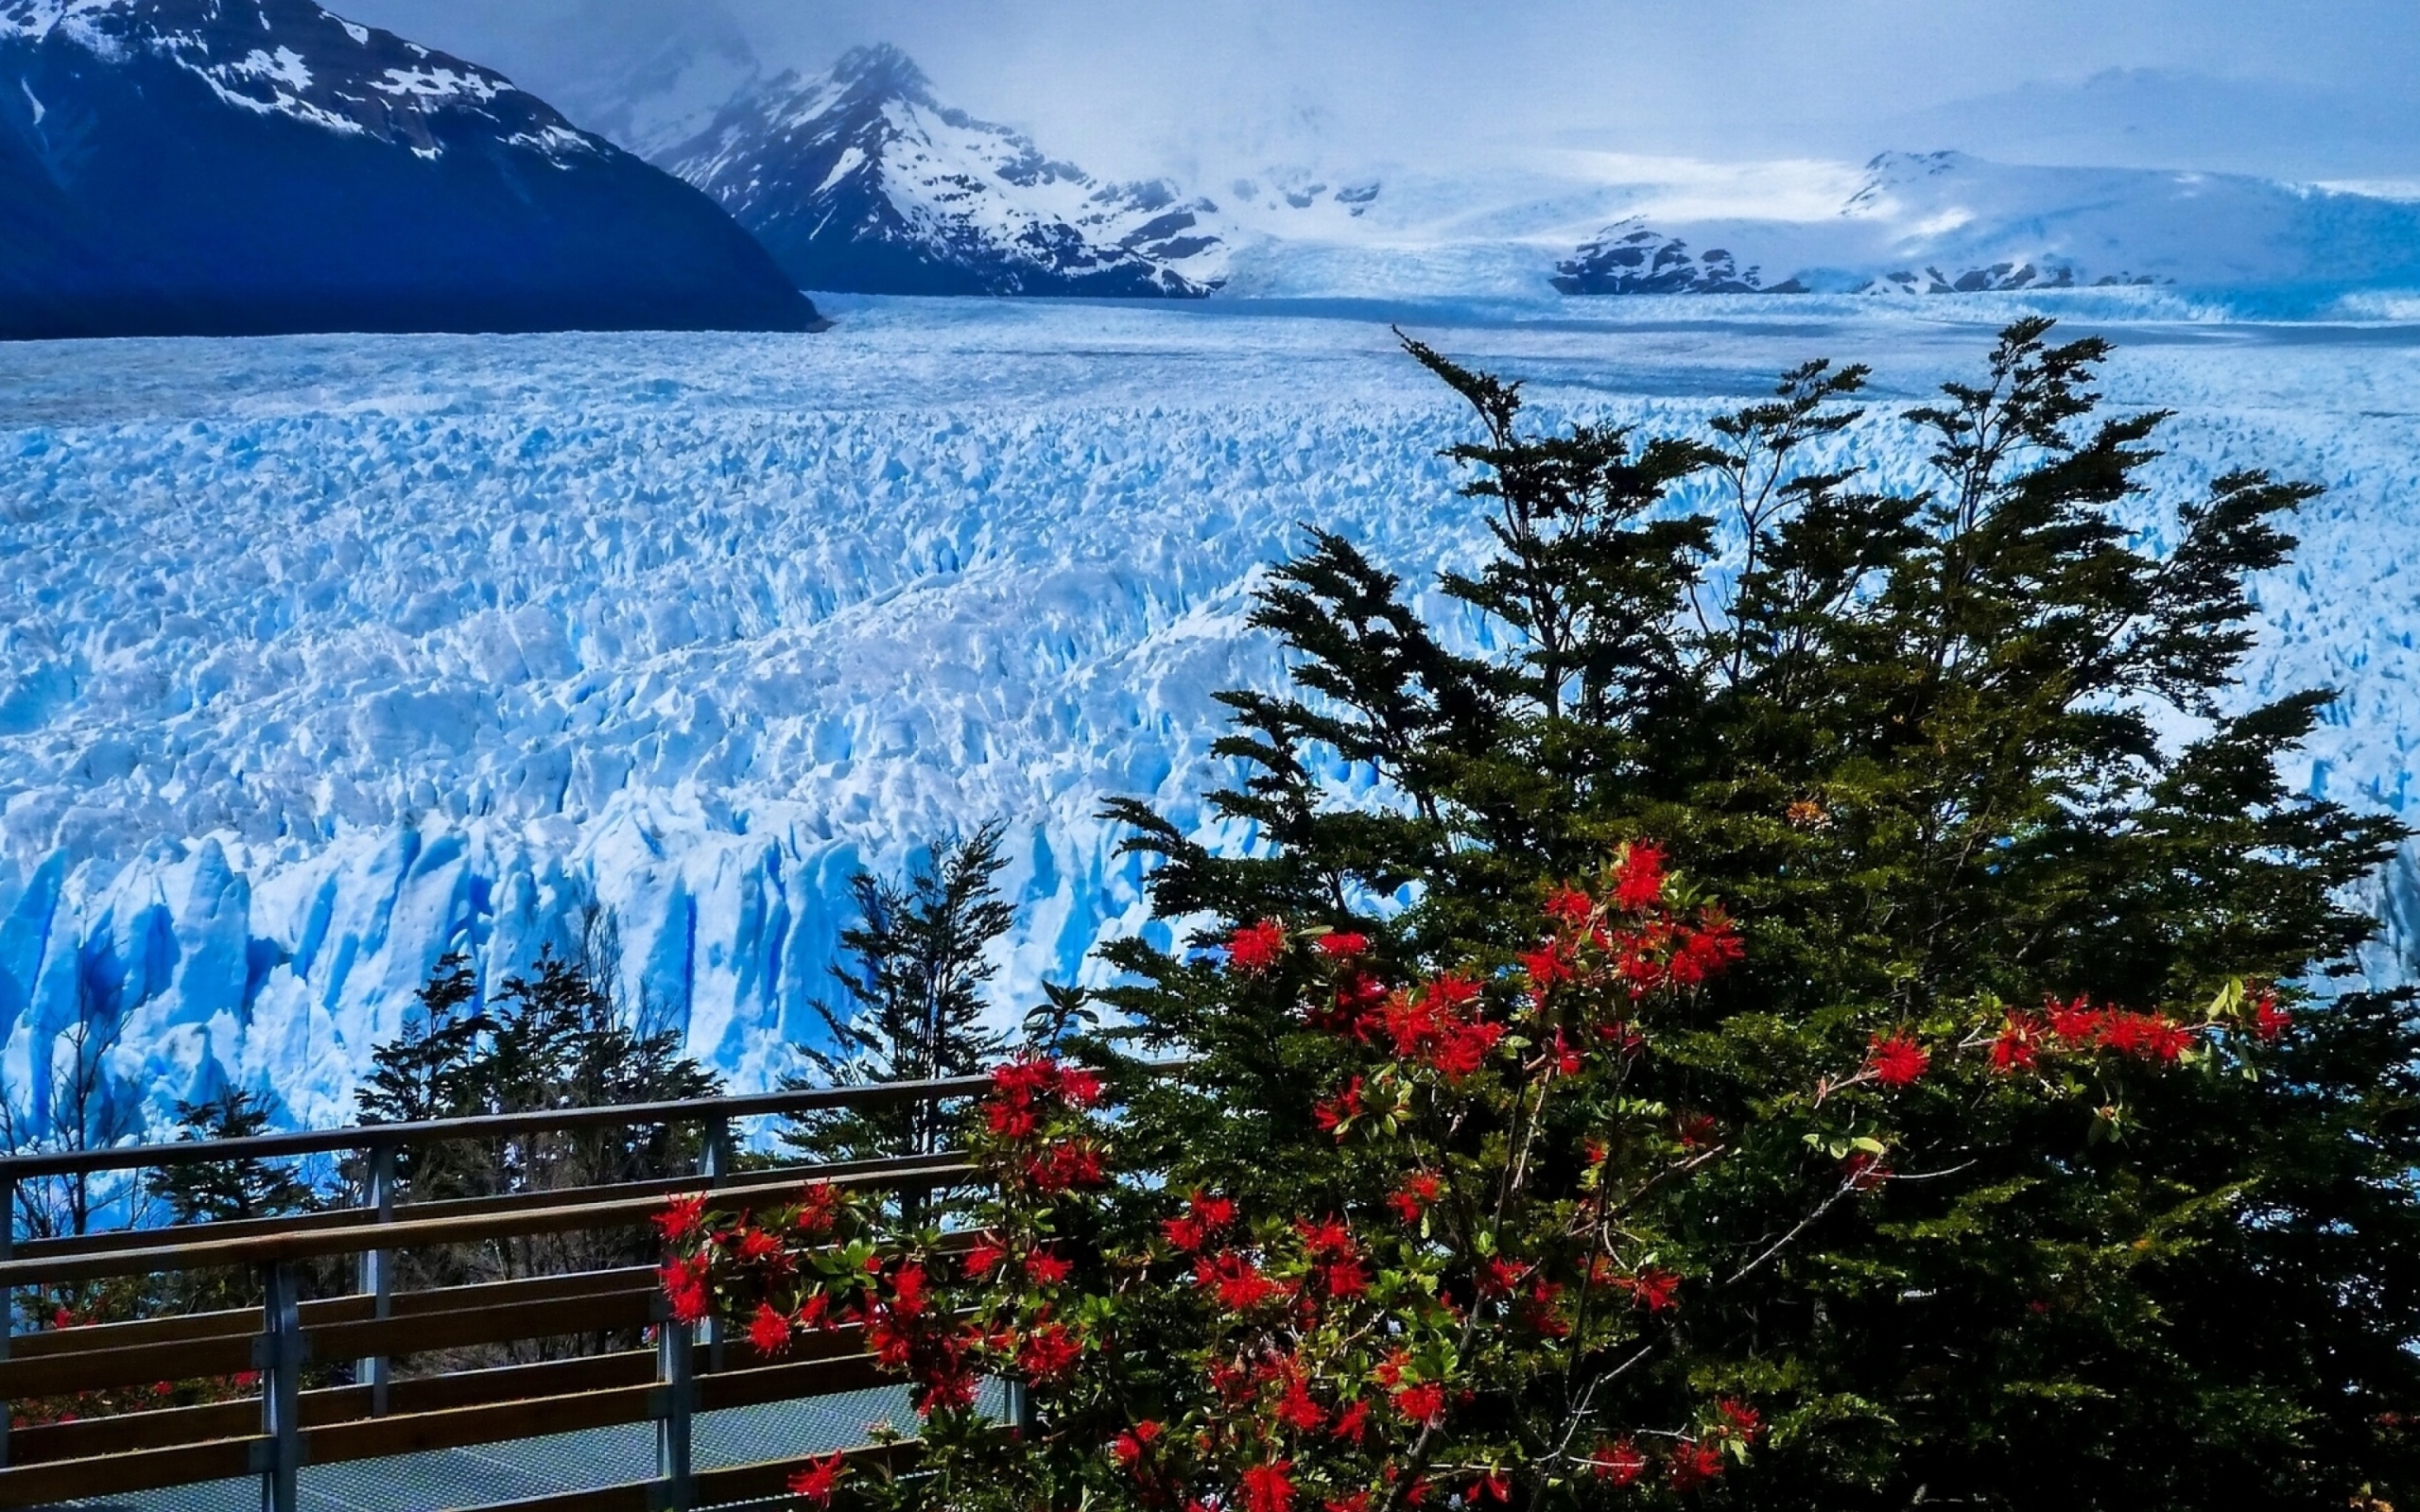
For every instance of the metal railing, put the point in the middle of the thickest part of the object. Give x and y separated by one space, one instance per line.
294 1423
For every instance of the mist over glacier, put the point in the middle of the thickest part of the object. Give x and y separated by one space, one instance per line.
336 653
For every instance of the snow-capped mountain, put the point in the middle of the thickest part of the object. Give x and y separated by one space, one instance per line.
860 181
225 166
1944 222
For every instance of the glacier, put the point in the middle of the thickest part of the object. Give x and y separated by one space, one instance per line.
325 655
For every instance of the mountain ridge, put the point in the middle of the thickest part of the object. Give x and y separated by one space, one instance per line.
260 167
861 180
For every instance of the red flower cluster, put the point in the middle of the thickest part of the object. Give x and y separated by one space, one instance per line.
1439 1026
2079 1027
1638 877
687 1287
1201 1222
1235 1280
1419 1191
1031 1099
1255 948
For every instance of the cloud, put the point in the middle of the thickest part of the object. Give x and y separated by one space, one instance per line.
1209 86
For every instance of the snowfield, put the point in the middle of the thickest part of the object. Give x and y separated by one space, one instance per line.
323 654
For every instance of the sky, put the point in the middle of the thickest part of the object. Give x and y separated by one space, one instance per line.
2304 89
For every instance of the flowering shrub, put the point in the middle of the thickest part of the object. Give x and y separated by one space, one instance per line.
1514 1222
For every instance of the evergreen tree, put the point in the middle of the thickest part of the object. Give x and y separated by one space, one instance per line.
219 1191
913 1001
434 1068
1973 744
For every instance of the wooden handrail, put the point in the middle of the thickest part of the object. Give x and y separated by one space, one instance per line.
487 1126
410 1233
340 1218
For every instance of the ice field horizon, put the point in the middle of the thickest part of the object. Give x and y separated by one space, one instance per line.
336 653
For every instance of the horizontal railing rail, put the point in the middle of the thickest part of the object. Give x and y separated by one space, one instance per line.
483 1126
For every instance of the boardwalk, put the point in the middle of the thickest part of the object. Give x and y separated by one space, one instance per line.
552 1466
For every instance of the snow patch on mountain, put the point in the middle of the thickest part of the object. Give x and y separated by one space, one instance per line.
861 180
318 68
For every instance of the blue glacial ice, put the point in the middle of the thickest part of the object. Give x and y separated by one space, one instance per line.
327 655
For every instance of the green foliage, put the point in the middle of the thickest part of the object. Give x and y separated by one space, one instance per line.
1938 751
554 1037
220 1191
913 1001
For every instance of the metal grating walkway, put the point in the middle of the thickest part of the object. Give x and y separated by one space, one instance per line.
540 1467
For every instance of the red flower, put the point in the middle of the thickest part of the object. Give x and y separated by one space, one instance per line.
1064 1167
907 1291
1203 1217
1079 1087
1298 1411
1639 882
1497 1486
1346 1279
1049 1352
1740 1418
985 1258
1424 1404
1255 948
818 1202
2015 1048
2077 1022
1617 1462
1238 1282
819 1480
1863 1172
1652 1289
1545 967
769 1331
1568 906
1358 1502
680 1217
1332 1115
1498 1276
686 1288
1009 1122
1707 950
1043 1268
1419 1190
1896 1060
1566 1059
2268 1019
1351 1424
1342 947
1136 1441
1325 1240
1694 1465
1465 1049
2164 1038
1269 1487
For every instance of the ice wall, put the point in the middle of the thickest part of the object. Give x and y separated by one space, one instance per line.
331 655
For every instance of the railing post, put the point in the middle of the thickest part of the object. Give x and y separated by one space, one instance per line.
281 1388
377 1276
715 1165
673 1342
8 1296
